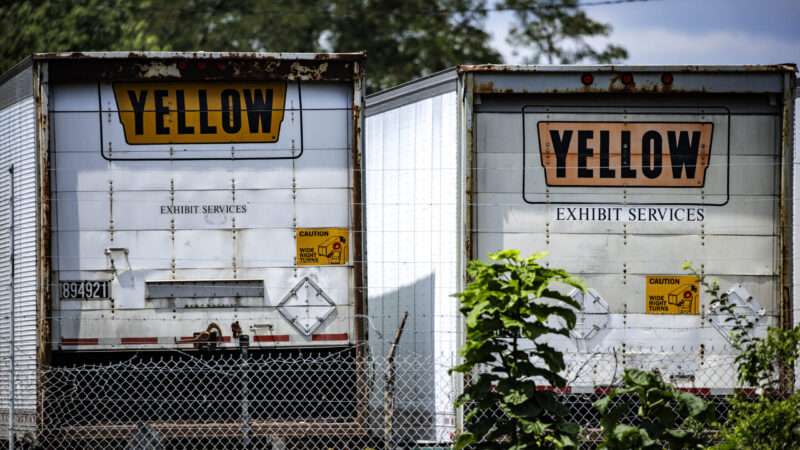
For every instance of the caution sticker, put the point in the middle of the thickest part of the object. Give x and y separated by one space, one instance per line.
672 294
322 246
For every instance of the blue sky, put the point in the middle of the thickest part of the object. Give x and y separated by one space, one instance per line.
691 31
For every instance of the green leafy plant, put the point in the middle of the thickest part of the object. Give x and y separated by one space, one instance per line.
509 306
665 417
757 363
759 359
770 420
720 301
762 424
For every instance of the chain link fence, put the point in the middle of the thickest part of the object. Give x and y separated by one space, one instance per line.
341 401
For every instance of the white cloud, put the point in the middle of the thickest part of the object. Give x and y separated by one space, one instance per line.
664 46
647 44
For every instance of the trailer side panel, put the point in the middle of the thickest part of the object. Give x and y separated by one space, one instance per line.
18 251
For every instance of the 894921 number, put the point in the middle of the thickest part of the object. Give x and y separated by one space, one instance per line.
83 290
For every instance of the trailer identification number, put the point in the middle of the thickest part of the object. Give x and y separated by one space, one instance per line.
200 113
322 246
83 290
625 154
672 294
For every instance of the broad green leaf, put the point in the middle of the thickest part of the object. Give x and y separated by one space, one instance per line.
464 439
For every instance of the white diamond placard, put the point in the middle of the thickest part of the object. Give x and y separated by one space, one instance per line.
593 315
744 306
306 306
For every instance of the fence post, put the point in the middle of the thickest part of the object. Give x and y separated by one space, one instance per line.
388 389
244 344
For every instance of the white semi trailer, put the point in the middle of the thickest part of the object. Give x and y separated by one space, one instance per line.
621 173
160 202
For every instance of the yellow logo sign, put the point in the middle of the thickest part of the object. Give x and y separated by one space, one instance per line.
322 246
200 113
619 154
668 294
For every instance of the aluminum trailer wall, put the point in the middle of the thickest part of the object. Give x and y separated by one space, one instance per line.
735 225
173 221
19 252
412 174
796 228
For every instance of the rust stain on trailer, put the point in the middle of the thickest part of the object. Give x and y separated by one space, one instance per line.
43 262
485 88
786 319
358 233
614 85
200 66
159 70
359 274
504 68
309 73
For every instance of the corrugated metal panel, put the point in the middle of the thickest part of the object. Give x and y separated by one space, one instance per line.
796 229
16 84
18 148
412 237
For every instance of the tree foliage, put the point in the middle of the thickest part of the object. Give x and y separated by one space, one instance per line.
557 32
404 39
510 308
48 26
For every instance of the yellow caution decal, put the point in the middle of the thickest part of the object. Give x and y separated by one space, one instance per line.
201 113
672 294
322 246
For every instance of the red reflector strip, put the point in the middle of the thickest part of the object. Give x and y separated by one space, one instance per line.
79 341
191 339
696 390
558 390
271 338
603 390
138 340
329 337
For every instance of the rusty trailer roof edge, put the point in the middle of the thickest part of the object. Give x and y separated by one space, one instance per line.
201 66
116 55
569 68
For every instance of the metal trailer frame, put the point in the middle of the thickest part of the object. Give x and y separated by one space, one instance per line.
469 82
31 78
